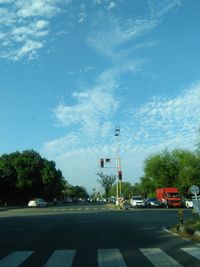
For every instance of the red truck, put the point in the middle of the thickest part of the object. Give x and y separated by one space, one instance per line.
169 197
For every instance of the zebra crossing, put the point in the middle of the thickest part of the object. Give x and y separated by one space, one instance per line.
77 209
105 257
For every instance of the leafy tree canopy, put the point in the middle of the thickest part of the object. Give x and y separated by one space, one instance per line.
178 168
25 175
106 182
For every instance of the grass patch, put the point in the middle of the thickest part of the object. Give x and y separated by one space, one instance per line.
193 224
188 229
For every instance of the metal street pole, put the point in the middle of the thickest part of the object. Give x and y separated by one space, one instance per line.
120 181
117 132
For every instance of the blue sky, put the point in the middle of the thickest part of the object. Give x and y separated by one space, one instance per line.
72 70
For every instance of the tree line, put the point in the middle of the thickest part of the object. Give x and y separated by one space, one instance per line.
25 175
177 168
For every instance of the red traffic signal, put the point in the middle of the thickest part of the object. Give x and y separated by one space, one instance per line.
102 163
120 175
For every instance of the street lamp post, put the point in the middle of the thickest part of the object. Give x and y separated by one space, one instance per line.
117 133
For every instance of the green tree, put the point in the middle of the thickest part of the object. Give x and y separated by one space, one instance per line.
26 175
8 177
162 169
198 143
106 181
188 169
179 168
136 189
78 192
147 187
127 190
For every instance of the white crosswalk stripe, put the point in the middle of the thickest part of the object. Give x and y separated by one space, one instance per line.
15 258
61 258
110 258
159 258
106 258
194 251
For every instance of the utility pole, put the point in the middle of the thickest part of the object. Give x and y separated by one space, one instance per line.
118 165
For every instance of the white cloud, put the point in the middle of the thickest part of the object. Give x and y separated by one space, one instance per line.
171 122
179 112
5 1
159 9
90 116
158 124
117 41
25 25
29 48
92 108
82 14
96 2
111 5
33 8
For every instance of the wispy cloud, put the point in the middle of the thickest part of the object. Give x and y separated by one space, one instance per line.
156 125
82 14
145 130
168 120
94 106
109 41
118 38
159 9
80 71
111 5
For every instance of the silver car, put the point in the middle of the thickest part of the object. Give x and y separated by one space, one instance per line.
37 202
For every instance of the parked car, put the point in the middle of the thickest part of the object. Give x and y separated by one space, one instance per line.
137 201
67 200
152 203
37 202
188 203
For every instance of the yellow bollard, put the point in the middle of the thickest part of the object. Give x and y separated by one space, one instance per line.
180 215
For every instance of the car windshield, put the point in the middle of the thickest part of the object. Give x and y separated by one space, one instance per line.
172 195
137 198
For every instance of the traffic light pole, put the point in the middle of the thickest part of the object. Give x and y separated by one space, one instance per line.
120 177
104 161
117 132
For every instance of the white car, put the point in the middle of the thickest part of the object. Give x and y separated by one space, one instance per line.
188 203
37 202
137 201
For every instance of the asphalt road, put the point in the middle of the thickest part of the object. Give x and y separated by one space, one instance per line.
93 235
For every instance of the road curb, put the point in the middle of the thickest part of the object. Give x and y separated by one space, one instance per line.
3 209
196 234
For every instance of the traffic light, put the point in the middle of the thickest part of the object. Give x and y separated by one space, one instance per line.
102 163
120 175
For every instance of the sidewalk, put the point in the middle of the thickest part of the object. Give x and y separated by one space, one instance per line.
3 208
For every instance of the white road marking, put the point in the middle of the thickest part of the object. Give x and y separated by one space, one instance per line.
194 251
61 258
15 258
159 258
110 258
